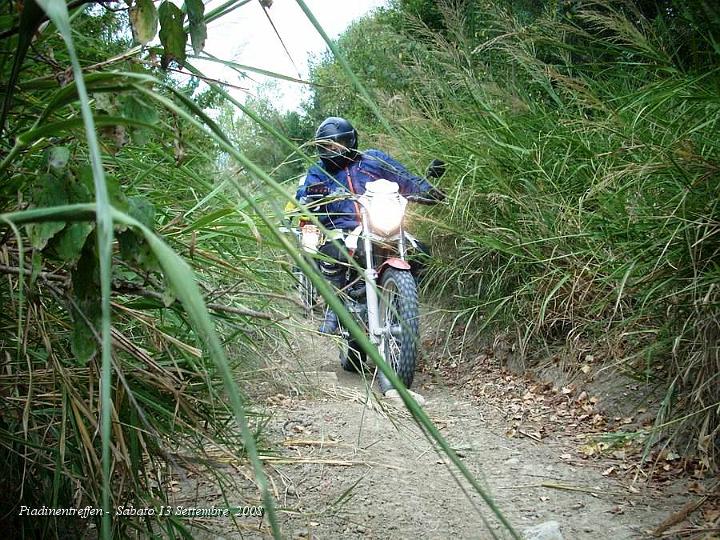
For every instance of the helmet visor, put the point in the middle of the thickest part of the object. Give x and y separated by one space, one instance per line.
329 149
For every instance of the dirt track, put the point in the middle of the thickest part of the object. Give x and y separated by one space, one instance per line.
351 470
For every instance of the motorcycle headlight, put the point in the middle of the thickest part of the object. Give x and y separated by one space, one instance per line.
386 213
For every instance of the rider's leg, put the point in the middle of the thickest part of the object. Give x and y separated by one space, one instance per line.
419 258
336 273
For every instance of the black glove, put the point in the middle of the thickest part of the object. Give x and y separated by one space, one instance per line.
433 196
436 169
436 195
317 190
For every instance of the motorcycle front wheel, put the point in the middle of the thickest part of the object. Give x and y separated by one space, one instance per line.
400 314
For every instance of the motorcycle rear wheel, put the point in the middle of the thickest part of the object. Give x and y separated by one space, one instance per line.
400 311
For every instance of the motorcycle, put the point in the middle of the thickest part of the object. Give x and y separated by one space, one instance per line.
382 295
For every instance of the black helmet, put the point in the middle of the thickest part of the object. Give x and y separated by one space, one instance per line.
336 138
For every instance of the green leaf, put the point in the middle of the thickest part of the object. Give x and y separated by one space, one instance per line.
82 342
172 35
7 21
51 191
71 241
142 210
86 287
144 20
57 12
79 191
115 193
134 109
58 157
198 28
133 246
36 264
57 129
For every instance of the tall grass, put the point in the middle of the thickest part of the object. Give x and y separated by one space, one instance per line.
583 190
119 275
102 407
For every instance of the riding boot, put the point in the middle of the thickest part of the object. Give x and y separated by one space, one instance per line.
330 322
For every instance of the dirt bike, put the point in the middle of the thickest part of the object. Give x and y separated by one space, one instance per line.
383 296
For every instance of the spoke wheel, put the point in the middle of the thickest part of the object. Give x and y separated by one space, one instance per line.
307 294
400 314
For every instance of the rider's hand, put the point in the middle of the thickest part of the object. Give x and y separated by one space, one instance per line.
429 198
436 195
436 169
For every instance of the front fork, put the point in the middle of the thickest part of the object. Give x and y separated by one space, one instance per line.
377 331
371 290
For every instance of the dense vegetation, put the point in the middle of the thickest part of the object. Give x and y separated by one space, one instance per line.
585 157
140 265
165 402
582 217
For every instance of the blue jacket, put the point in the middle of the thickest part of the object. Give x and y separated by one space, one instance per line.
369 166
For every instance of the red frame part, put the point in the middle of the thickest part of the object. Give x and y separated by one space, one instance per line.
395 263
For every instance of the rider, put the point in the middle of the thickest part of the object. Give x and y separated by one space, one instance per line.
344 169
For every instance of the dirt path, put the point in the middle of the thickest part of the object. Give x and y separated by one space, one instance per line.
351 470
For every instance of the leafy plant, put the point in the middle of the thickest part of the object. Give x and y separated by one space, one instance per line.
151 402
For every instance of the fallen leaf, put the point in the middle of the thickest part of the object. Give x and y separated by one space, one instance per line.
696 487
711 515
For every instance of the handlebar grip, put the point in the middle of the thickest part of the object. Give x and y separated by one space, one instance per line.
421 200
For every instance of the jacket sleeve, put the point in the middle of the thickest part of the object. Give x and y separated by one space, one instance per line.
383 166
313 177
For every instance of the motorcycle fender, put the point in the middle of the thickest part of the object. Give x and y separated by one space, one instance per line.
395 263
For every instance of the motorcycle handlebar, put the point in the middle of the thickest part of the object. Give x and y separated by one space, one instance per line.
421 200
434 196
